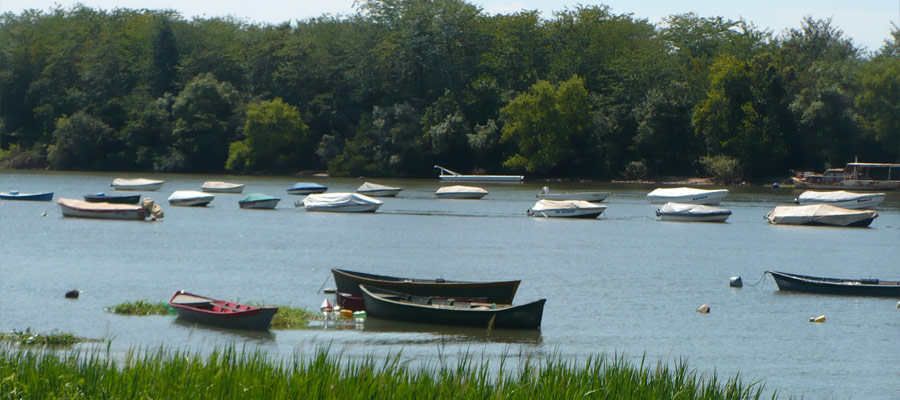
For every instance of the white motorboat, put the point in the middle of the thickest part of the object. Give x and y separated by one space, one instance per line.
692 213
585 196
842 199
820 214
141 184
190 198
339 202
460 192
222 187
258 201
376 190
566 209
687 195
84 209
450 176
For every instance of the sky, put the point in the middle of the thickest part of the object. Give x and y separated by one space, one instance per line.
866 22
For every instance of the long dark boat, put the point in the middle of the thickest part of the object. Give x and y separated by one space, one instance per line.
390 305
204 310
15 195
492 292
113 198
847 287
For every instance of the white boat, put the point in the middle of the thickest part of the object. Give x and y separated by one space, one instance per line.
820 214
692 213
450 176
585 196
301 188
460 192
376 190
148 185
841 198
190 198
854 176
84 209
259 201
566 209
340 202
222 187
687 195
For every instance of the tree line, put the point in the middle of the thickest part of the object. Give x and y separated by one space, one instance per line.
400 85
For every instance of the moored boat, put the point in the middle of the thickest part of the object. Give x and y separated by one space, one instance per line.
842 199
222 187
221 313
565 209
450 176
692 213
148 185
113 198
15 195
301 188
190 198
460 192
376 190
820 214
687 195
390 305
259 201
494 292
84 209
340 202
854 176
837 286
585 196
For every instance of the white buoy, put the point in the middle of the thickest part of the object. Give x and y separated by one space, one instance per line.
736 281
704 309
820 319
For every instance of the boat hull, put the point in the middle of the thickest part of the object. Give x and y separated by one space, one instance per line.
704 199
78 209
124 199
385 305
584 196
222 187
380 192
137 184
501 292
27 196
694 218
260 204
355 208
845 287
567 213
190 202
221 313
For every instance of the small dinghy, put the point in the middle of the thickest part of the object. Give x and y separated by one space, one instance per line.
259 201
842 199
221 313
847 287
692 213
565 209
340 202
113 198
83 209
585 196
222 187
460 192
376 190
820 214
687 195
15 195
300 188
190 198
148 185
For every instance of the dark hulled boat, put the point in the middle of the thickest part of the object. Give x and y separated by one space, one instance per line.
390 305
225 314
114 198
15 195
492 292
847 287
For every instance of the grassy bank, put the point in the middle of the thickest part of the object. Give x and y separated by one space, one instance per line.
230 373
29 338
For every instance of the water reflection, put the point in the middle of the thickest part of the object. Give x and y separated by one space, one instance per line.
257 336
455 333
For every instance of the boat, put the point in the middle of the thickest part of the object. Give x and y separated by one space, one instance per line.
15 195
376 190
259 201
222 187
842 199
306 188
692 213
585 196
148 185
84 209
190 198
113 198
848 287
820 214
854 176
460 192
502 292
390 305
450 176
687 195
339 202
221 313
565 209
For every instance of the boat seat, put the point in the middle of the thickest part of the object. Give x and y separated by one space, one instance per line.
217 308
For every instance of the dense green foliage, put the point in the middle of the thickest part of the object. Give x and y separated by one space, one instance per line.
232 374
401 85
141 307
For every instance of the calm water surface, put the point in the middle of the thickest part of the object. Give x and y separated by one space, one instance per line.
625 283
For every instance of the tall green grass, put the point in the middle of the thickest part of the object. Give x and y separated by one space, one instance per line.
141 307
228 373
29 338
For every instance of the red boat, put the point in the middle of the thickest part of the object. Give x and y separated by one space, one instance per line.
204 310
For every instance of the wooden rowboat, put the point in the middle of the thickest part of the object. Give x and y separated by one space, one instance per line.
204 310
15 195
847 287
386 304
83 209
492 292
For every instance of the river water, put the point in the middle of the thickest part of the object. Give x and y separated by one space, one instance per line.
623 284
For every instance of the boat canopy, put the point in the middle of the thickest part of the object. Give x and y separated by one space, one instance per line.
682 191
339 200
368 186
692 209
460 189
189 195
818 213
834 196
545 205
258 197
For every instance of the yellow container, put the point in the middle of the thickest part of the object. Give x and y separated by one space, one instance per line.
345 313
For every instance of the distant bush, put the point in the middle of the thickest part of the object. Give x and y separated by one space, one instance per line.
723 169
635 171
18 158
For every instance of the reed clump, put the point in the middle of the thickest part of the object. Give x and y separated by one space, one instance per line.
29 338
141 307
229 373
292 318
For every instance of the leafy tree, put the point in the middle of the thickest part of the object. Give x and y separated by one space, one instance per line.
878 106
276 138
81 141
202 114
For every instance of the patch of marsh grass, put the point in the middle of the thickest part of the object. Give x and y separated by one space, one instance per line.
141 307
